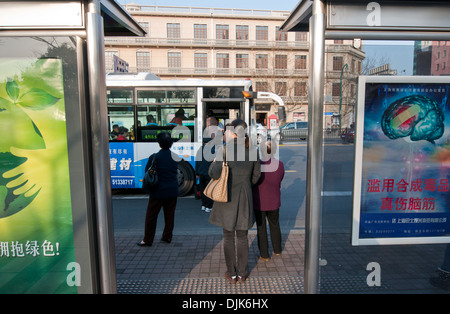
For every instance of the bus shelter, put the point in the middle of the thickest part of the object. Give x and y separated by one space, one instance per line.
55 196
366 20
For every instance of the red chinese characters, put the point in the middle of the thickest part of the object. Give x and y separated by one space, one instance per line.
401 203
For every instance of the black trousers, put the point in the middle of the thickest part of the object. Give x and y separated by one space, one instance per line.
275 233
154 207
203 182
235 247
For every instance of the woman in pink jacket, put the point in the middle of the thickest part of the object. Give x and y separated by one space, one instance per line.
267 201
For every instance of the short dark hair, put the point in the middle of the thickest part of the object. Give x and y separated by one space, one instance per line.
122 130
164 140
239 122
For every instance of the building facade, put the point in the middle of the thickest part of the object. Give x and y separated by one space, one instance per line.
440 58
211 43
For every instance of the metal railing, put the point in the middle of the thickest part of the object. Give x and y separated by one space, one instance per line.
203 10
227 43
248 72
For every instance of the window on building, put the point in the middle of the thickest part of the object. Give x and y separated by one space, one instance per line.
109 60
222 32
174 61
173 32
201 62
300 62
280 35
146 27
281 88
261 86
336 89
262 33
223 61
241 61
200 31
339 42
242 32
281 62
301 36
338 63
262 61
300 89
143 61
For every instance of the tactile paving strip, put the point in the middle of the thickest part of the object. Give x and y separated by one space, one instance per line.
253 285
350 284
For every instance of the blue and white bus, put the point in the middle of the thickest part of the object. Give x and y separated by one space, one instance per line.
146 107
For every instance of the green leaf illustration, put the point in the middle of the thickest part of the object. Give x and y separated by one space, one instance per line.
18 191
37 99
12 89
23 133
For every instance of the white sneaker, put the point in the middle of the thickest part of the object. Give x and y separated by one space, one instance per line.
207 210
203 208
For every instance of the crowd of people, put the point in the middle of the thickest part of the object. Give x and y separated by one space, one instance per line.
254 195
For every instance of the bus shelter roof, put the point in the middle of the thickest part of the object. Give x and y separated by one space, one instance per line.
118 22
52 17
383 19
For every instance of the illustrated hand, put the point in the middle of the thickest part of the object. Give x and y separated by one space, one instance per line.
29 175
40 170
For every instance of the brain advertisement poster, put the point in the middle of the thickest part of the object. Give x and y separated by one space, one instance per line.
36 229
402 161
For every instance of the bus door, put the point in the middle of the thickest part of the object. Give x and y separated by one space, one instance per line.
224 111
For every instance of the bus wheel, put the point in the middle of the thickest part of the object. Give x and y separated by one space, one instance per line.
186 178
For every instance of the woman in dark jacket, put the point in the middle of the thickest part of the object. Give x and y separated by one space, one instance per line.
267 200
236 216
164 194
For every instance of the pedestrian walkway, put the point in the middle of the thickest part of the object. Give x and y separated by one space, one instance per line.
194 264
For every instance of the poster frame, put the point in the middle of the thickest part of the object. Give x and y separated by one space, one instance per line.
356 240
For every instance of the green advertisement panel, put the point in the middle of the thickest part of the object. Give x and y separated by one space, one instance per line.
37 252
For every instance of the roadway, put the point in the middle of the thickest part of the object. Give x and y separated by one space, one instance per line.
129 209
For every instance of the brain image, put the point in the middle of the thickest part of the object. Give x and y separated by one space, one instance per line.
419 117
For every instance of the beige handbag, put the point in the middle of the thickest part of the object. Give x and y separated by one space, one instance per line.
217 189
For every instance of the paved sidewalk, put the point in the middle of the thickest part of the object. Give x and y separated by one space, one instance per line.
194 264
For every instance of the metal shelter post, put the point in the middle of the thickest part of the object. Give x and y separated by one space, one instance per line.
315 149
100 148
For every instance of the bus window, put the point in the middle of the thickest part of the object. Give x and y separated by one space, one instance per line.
222 92
179 115
166 96
117 96
148 116
121 123
164 118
